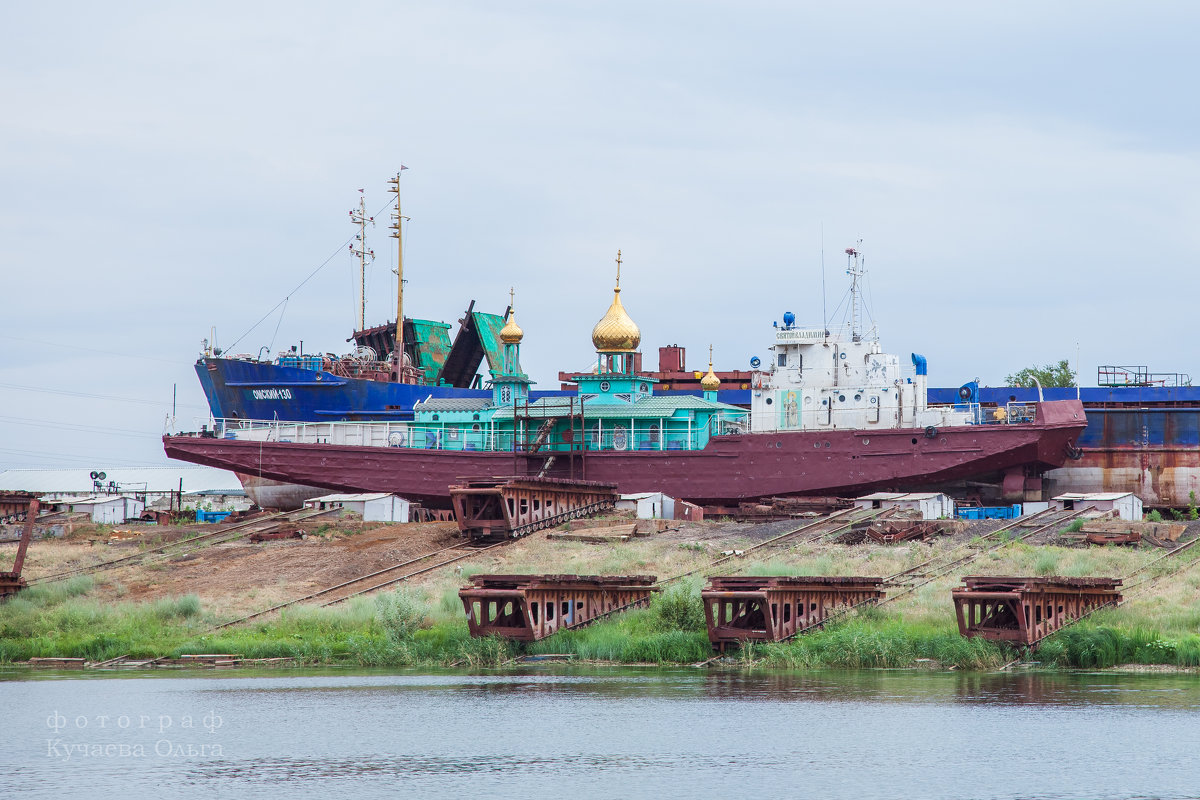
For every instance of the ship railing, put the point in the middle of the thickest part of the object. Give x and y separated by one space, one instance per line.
606 434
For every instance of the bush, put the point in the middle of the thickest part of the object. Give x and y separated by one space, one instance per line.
399 615
677 609
1154 516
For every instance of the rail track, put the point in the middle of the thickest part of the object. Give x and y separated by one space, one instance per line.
390 581
816 530
229 533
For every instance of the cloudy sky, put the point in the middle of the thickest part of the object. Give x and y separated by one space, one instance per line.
1024 177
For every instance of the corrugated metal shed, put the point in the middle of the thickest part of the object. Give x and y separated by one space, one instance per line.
154 479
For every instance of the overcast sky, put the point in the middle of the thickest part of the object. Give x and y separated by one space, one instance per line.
1024 177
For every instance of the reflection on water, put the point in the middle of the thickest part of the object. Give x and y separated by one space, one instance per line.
620 733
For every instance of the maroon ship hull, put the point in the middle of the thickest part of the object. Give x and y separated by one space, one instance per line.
731 469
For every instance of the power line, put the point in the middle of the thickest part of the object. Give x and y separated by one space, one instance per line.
92 396
88 349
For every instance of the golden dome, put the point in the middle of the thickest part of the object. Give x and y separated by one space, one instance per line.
616 332
511 333
710 382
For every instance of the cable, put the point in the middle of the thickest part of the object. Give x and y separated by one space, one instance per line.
300 285
90 395
87 349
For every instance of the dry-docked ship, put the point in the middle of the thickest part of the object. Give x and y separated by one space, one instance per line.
832 413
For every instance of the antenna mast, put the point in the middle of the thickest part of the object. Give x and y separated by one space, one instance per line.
359 248
854 269
397 218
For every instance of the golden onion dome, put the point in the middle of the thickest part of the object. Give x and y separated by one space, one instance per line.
511 333
616 332
710 382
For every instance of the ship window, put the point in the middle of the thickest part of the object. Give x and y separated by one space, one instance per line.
435 416
858 397
475 416
644 388
841 398
769 401
783 359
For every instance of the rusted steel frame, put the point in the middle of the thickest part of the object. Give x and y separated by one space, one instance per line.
778 612
533 607
26 535
1027 612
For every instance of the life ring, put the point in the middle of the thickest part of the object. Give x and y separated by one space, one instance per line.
931 432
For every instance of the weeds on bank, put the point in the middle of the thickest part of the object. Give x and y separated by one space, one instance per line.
421 628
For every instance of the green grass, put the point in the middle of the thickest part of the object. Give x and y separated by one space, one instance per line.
426 627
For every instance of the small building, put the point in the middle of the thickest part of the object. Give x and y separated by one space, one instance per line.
374 507
932 505
1127 505
108 509
648 505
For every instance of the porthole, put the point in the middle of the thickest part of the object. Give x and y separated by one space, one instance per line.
817 445
914 441
858 397
769 401
866 440
875 400
825 402
827 444
841 398
843 355
778 445
604 386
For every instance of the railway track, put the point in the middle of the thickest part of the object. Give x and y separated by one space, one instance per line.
918 575
225 534
816 530
392 579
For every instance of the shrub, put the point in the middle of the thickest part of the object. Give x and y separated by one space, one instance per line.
400 615
1154 516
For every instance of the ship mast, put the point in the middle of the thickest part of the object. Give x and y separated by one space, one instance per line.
397 217
854 269
359 248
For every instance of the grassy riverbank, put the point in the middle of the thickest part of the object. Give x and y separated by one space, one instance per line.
420 628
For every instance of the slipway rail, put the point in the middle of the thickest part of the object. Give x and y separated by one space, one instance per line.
472 552
225 534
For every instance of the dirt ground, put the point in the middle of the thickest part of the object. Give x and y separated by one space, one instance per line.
241 577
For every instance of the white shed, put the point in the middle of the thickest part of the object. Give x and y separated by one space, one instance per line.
109 510
648 505
375 507
932 505
1127 505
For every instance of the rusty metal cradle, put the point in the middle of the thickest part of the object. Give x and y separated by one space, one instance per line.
771 609
532 607
1025 610
490 509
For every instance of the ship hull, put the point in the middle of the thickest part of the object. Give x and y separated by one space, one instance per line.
731 469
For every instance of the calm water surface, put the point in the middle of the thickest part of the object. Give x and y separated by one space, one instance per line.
621 734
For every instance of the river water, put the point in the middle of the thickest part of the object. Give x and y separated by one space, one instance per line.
615 734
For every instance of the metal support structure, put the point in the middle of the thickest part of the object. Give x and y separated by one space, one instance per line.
532 607
744 608
491 509
12 582
1026 610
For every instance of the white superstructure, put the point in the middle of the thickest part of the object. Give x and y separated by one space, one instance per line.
818 380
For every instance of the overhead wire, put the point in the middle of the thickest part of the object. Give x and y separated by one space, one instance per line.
300 285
